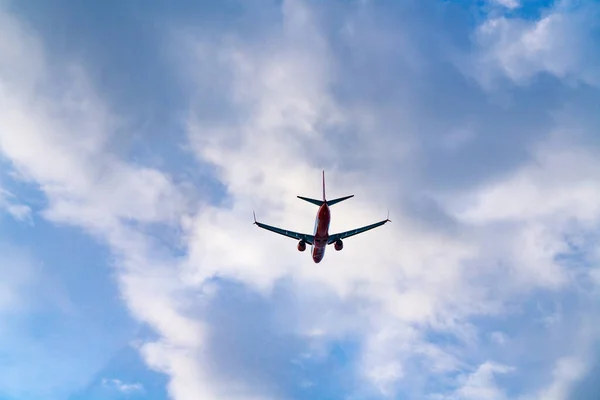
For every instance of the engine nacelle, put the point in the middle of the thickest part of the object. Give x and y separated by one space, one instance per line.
338 244
301 245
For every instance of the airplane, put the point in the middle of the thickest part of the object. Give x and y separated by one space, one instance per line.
321 237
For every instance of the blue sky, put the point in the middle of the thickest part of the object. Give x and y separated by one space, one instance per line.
136 139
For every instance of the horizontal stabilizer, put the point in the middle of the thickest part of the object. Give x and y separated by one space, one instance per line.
335 201
321 202
314 201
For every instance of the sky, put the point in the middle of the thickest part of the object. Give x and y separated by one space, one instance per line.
137 138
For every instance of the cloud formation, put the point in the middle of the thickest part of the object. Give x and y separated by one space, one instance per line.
18 211
560 43
121 386
489 265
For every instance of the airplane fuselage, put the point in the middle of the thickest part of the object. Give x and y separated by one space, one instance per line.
321 233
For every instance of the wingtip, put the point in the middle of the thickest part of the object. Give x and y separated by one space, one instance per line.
254 215
388 217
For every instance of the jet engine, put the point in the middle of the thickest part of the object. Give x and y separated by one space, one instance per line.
301 245
339 244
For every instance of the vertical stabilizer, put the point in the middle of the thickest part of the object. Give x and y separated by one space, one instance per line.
324 199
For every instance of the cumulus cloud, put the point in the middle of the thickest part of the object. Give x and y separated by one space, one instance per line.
481 384
566 371
480 213
431 279
57 135
560 43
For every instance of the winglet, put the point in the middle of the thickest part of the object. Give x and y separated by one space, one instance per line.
388 217
254 217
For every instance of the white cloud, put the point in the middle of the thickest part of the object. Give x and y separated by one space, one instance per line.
480 385
122 386
566 371
510 4
539 204
398 283
561 43
56 132
425 279
20 212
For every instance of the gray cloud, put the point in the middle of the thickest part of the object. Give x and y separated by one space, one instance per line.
394 110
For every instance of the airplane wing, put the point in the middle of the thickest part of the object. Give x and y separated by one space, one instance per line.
309 239
343 235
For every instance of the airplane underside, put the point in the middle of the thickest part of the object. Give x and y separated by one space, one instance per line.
321 237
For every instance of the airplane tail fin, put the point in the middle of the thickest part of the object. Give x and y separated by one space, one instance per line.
324 201
324 198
